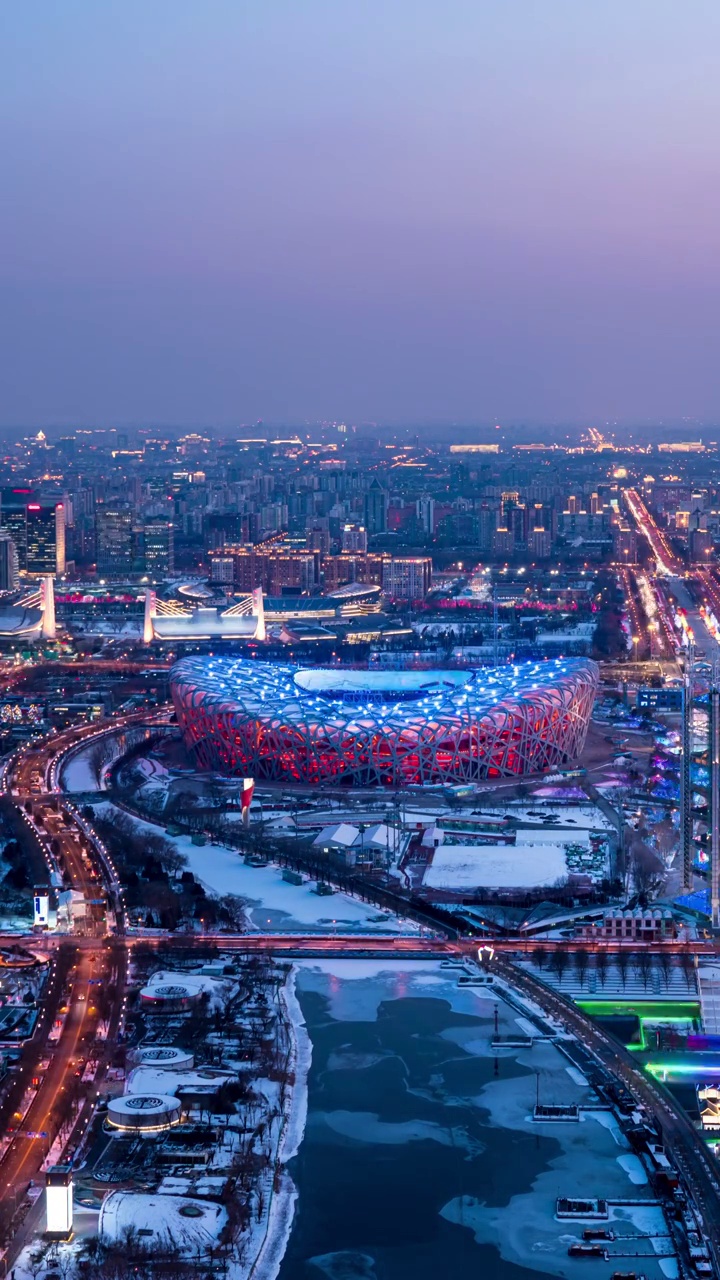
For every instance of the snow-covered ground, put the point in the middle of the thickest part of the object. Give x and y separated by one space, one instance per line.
585 817
274 905
282 1208
78 775
496 866
170 1221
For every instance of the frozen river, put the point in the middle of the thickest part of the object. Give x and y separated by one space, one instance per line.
419 1159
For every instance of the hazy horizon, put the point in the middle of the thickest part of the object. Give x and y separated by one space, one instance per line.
402 213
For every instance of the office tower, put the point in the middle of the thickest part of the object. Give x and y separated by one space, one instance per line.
114 537
45 539
354 538
222 528
318 539
487 522
425 511
508 501
159 539
701 546
9 576
539 543
376 505
518 524
222 569
13 517
274 517
407 577
503 542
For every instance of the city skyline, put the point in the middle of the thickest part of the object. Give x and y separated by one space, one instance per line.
359 640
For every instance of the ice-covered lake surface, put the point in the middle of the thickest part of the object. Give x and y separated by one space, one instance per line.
419 1159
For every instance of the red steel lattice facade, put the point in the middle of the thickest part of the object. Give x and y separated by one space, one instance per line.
243 717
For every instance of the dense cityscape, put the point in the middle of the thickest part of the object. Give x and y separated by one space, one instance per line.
285 702
359 641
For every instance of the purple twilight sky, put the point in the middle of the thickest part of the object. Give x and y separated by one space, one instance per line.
395 210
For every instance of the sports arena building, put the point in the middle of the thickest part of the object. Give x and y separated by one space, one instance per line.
363 728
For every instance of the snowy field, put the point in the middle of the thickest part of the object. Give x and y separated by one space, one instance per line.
496 866
274 906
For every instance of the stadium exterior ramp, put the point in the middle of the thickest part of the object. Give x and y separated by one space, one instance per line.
282 723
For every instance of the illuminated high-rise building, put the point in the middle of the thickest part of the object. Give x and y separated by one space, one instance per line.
376 507
114 536
354 538
45 539
159 542
13 517
9 576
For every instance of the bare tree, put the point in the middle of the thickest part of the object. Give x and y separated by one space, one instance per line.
687 964
582 959
665 963
37 1262
645 966
235 908
558 963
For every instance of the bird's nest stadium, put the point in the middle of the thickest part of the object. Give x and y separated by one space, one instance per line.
362 728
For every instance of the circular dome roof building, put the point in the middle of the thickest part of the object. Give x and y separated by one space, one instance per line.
171 997
144 1113
163 1057
396 728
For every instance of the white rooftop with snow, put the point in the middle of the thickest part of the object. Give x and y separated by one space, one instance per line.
496 866
172 1221
150 1080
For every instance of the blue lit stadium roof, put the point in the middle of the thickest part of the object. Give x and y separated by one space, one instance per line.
281 720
